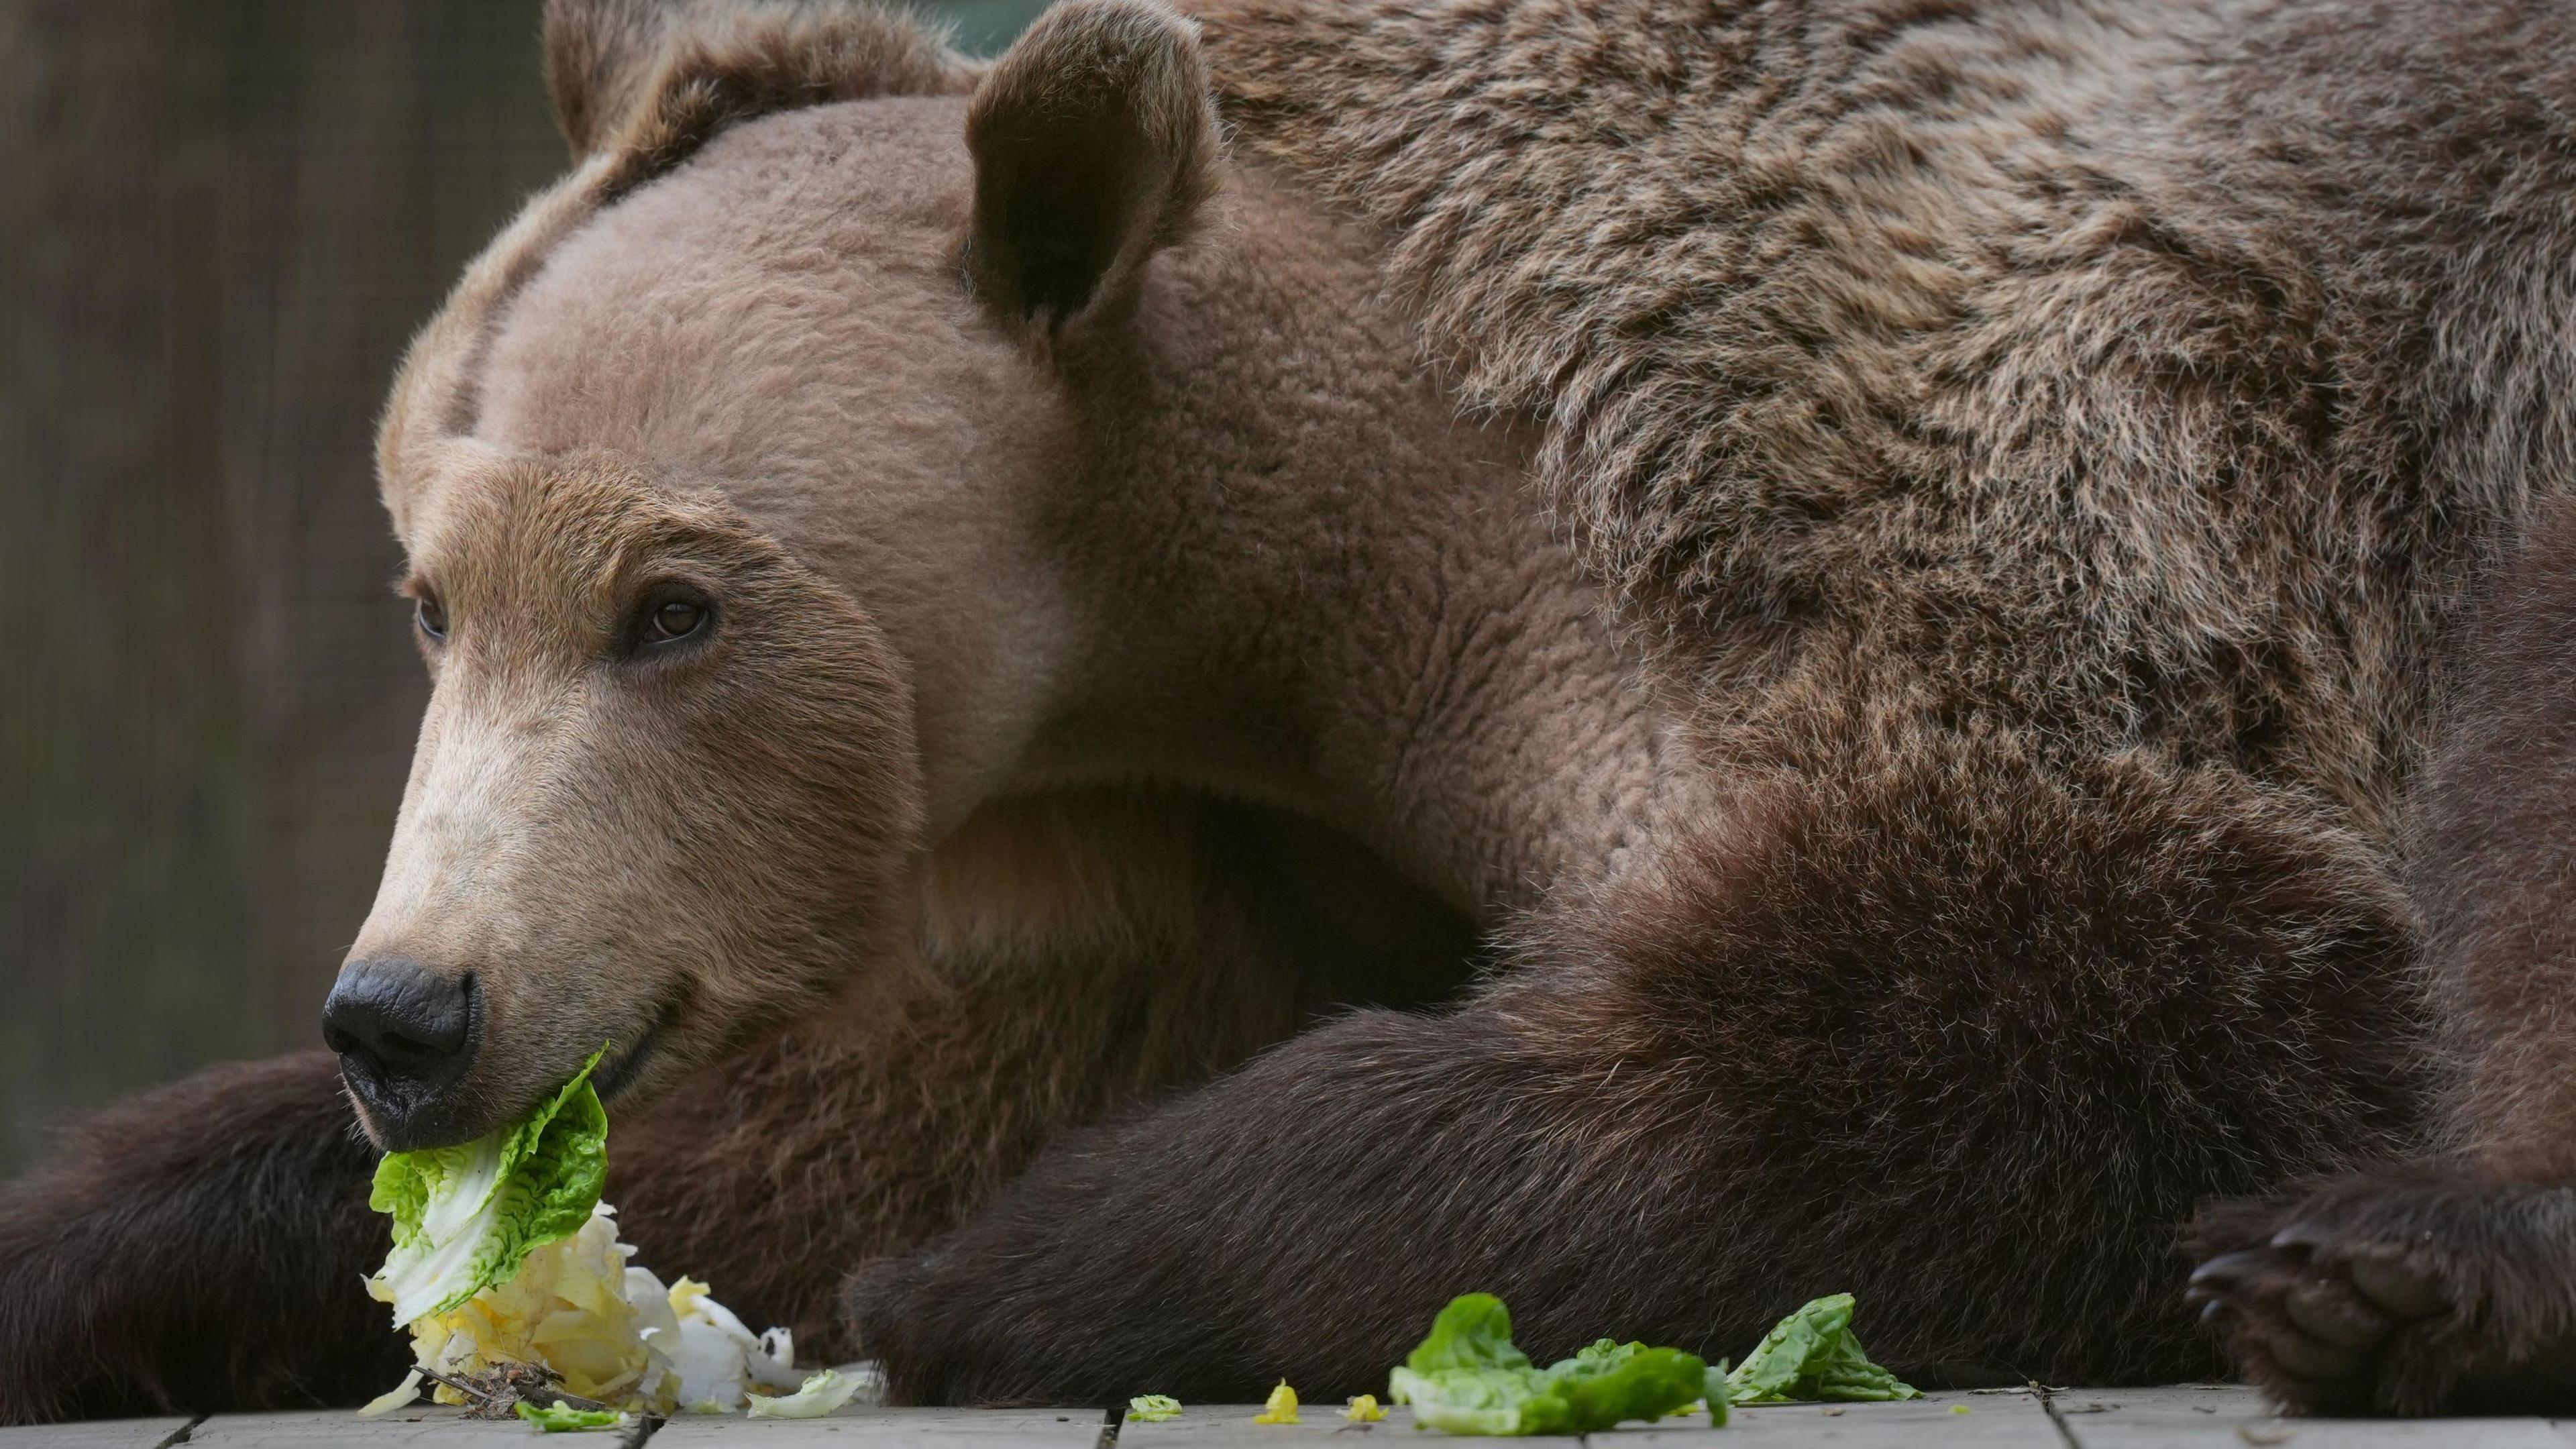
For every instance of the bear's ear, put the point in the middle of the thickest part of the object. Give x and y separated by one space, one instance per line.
599 56
1095 146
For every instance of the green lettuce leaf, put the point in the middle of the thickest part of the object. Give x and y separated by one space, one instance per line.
465 1217
560 1417
1473 1332
1469 1378
1812 1355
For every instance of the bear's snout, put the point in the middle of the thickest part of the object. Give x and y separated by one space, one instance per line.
405 1035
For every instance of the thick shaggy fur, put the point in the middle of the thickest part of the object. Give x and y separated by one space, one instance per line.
1830 1049
2488 854
2450 1283
1199 933
151 1264
2033 454
2079 367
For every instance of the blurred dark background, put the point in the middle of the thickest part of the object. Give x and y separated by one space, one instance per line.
223 220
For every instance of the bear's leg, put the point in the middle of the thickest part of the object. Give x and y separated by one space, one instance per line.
1092 949
1962 1035
197 1247
2449 1284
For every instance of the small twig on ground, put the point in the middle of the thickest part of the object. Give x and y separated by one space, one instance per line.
471 1391
495 1392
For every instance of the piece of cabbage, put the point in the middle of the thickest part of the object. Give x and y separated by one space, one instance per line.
566 1308
1811 1355
608 1329
717 1358
1282 1407
1153 1408
560 1417
821 1394
465 1217
393 1398
1468 1378
507 1243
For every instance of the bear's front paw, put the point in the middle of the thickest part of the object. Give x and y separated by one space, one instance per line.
2419 1289
952 1327
1062 1293
898 1328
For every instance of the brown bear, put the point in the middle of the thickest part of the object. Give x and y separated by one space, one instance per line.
1651 659
2449 1283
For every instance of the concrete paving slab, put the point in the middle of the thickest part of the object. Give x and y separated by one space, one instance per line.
1935 1420
2228 1416
2186 1416
95 1434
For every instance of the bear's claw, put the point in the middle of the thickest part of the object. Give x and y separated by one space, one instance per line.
2412 1290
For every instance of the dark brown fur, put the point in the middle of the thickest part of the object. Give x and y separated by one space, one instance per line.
2449 1284
160 1259
1838 1048
929 1090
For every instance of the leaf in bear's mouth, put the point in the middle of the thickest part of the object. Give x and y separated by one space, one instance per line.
505 1260
466 1217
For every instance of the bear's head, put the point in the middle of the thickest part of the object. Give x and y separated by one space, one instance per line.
671 788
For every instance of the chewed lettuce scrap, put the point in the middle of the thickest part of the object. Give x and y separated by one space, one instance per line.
1467 1377
823 1393
1811 1355
394 1398
608 1330
560 1417
1281 1408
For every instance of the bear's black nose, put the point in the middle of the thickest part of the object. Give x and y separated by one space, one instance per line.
404 1034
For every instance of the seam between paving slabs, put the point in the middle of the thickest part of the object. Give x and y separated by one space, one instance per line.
183 1433
645 1428
2048 1405
1110 1419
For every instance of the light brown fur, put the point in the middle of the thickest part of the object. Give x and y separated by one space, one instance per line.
1043 660
1930 754
1038 650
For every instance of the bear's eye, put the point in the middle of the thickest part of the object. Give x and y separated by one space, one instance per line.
672 614
676 619
431 617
